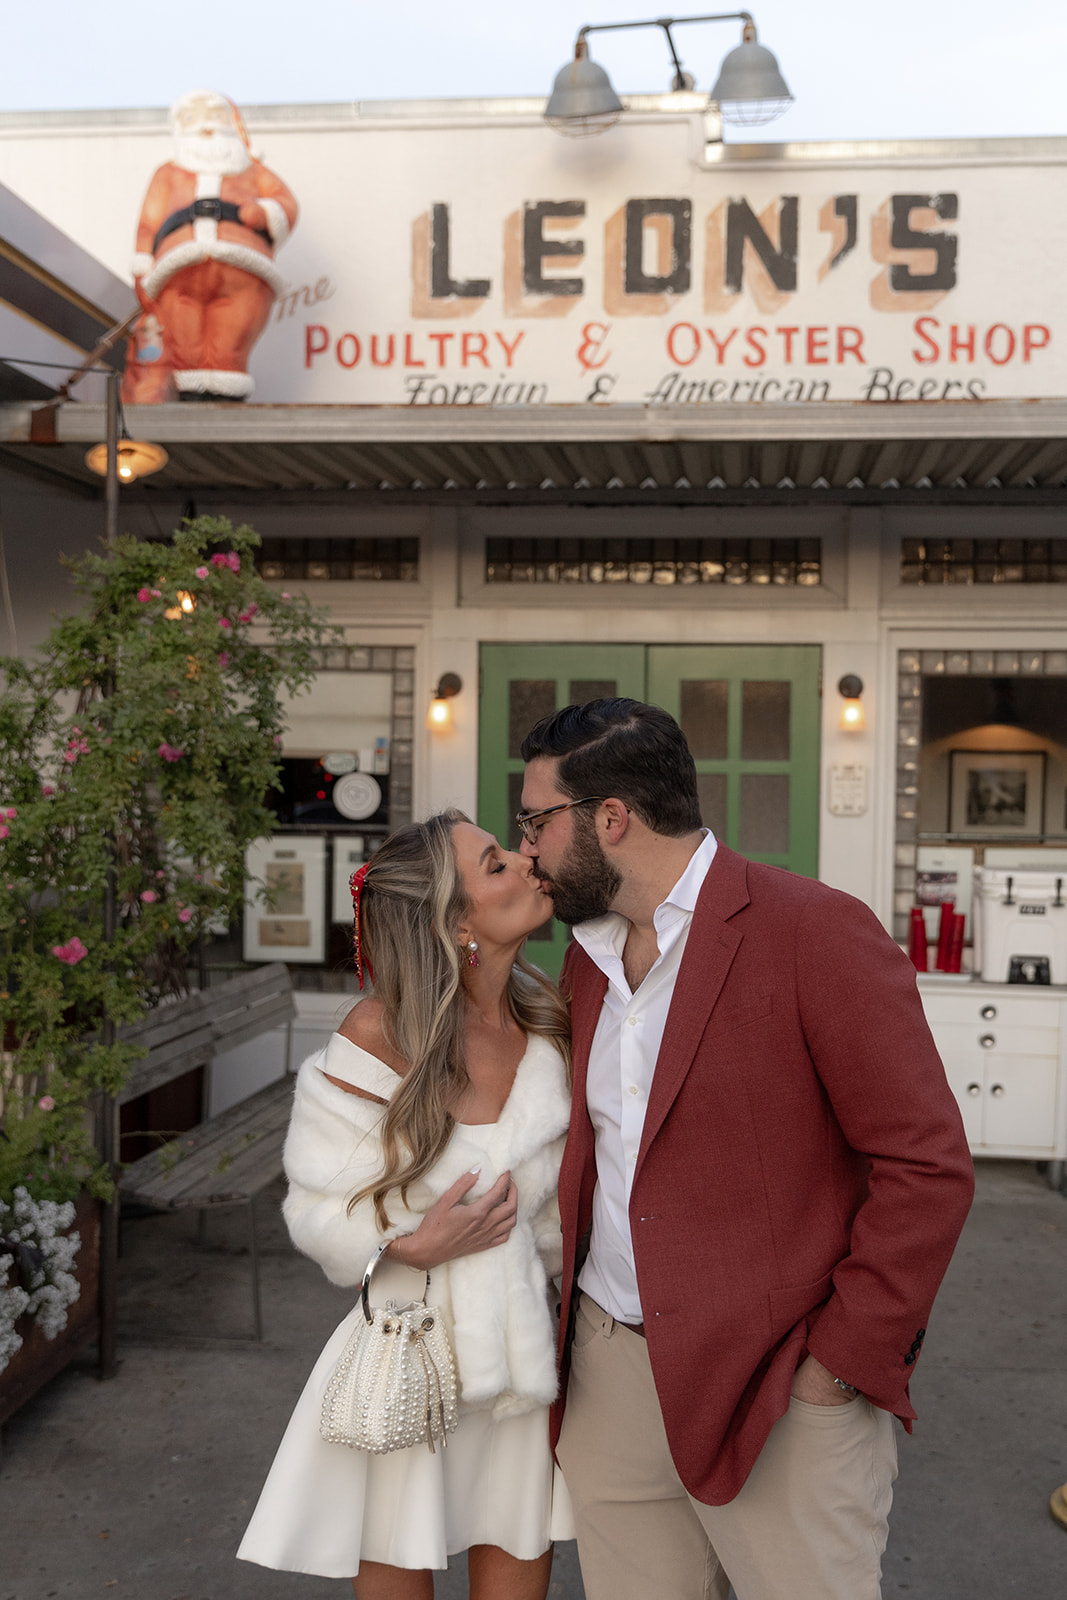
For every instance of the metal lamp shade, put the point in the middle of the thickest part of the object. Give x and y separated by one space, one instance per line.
750 89
136 459
582 101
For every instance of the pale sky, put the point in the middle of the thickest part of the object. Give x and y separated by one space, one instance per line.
910 69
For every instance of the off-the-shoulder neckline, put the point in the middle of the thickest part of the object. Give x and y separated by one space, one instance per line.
382 1067
368 1053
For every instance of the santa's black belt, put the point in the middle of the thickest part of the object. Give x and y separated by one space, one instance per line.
217 210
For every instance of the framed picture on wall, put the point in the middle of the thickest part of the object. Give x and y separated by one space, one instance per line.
996 794
287 923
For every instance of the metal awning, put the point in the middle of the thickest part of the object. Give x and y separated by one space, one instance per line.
976 445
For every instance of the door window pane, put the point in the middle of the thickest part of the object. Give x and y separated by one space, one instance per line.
529 699
585 689
703 717
764 821
711 792
765 721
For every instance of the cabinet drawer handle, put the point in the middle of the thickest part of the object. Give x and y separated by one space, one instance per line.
974 1088
988 1013
997 1091
986 1040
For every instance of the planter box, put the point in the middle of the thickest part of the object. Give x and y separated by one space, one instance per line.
39 1358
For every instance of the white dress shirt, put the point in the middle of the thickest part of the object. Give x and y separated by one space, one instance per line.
622 1060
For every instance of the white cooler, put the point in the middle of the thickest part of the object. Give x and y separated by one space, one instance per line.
1020 924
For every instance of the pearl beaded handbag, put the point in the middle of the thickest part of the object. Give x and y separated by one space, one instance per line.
395 1382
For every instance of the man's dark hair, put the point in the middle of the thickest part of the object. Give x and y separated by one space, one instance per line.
626 749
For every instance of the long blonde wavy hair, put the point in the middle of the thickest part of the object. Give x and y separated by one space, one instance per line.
413 905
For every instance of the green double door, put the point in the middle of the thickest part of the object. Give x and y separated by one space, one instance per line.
750 714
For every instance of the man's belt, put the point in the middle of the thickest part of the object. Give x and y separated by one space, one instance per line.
218 210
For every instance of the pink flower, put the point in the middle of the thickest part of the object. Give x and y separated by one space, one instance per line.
224 658
224 622
218 560
156 594
233 561
170 752
12 813
149 896
286 595
71 953
4 830
144 595
48 790
185 914
160 875
46 1103
201 572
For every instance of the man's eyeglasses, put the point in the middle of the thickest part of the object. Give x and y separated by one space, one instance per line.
531 822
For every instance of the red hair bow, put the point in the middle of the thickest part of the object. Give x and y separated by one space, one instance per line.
356 884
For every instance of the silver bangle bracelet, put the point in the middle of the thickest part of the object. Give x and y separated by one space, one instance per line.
849 1388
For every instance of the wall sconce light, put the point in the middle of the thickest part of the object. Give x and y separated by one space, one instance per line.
137 459
852 719
439 719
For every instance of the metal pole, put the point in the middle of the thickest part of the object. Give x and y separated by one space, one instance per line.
109 1115
111 482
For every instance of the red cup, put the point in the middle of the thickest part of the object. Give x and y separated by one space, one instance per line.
917 939
955 945
944 936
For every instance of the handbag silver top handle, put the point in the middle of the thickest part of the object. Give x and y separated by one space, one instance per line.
364 1293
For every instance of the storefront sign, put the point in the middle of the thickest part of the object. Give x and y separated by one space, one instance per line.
473 264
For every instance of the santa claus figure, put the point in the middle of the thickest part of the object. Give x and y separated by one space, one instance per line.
204 270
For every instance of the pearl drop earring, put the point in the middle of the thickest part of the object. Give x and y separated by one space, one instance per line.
472 959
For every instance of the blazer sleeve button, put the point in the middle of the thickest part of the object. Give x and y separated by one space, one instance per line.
909 1359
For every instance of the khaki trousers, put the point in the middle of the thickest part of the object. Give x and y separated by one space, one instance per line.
810 1523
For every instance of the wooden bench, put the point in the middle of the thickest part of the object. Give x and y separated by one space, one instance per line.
227 1159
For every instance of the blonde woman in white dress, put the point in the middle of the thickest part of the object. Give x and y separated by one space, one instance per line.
434 1120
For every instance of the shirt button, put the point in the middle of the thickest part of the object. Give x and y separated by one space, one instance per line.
633 1157
634 1089
631 1022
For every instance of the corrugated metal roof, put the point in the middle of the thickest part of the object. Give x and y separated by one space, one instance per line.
966 445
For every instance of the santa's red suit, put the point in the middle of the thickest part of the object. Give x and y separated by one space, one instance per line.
205 260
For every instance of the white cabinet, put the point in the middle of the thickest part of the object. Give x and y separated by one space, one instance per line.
1005 1054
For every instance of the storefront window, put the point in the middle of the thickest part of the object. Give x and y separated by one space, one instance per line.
981 773
662 562
934 561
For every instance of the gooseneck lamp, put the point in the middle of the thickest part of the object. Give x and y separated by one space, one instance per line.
749 90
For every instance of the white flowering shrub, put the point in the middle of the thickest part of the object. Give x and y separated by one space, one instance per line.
37 1254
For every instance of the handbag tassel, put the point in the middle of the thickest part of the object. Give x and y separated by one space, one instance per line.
433 1382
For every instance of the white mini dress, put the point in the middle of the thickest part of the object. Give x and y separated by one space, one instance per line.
326 1507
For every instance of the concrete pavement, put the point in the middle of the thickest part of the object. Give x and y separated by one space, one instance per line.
141 1487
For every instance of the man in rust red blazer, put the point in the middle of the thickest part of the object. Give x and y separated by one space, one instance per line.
764 1180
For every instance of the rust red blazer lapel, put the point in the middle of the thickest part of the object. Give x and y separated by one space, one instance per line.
709 953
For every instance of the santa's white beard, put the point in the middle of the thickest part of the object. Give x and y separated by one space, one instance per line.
222 153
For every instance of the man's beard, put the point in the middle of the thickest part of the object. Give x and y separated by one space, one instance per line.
221 154
586 882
